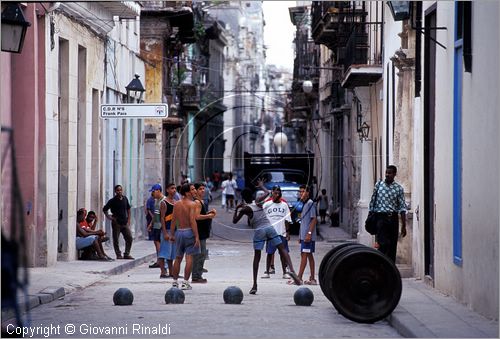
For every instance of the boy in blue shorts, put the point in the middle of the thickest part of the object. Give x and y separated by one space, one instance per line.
307 234
184 232
258 220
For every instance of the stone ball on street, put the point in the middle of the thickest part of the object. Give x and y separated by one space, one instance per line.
123 296
233 295
174 296
303 297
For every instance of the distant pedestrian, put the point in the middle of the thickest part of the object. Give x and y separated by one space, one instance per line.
120 221
223 194
240 185
387 201
207 196
278 213
334 214
209 184
186 236
228 189
258 220
204 223
307 235
217 179
323 205
185 179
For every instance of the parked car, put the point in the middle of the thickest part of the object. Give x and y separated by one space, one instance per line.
289 171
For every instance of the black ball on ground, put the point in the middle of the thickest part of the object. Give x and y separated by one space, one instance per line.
233 295
303 297
174 296
123 296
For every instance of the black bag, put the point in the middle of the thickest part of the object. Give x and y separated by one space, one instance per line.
371 220
371 223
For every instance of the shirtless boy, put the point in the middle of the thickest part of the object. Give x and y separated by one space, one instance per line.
186 236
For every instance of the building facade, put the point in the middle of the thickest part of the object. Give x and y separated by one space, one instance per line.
428 94
68 67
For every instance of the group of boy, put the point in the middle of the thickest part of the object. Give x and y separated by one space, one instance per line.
271 220
180 228
88 237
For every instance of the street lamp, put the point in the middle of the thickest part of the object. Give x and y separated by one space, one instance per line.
14 28
307 86
135 86
280 140
173 110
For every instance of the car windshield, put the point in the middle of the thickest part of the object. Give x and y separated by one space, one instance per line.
281 176
291 197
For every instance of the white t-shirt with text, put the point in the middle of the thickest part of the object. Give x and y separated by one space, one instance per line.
277 213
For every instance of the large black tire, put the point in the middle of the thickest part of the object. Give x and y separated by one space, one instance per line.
364 285
324 263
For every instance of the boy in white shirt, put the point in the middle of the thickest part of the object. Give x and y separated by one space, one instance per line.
278 213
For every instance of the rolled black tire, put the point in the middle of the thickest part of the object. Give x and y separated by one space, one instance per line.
324 263
327 286
365 285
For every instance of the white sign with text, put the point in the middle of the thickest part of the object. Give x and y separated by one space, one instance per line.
124 111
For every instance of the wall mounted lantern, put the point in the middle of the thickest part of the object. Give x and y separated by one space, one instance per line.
135 86
363 132
14 27
400 9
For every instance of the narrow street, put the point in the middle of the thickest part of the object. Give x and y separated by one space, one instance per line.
269 314
380 116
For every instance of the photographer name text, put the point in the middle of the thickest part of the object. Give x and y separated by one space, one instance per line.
47 331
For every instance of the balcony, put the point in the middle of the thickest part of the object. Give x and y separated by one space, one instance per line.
362 56
333 21
181 18
103 12
190 97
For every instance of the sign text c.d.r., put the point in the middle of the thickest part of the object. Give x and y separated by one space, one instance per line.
124 111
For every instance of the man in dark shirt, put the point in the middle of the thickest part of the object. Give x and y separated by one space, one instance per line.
388 200
120 221
204 222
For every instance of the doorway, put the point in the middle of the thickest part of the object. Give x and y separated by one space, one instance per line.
63 150
429 135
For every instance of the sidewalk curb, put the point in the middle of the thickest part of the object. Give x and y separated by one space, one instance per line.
127 265
52 293
407 325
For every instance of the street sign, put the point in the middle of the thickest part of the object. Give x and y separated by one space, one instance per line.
130 111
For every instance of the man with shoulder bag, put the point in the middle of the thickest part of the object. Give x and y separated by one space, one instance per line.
386 203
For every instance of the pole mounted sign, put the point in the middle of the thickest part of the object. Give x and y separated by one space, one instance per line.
131 111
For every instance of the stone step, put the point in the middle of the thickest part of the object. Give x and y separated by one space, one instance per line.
405 270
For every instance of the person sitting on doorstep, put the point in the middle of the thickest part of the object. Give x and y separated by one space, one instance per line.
90 224
87 238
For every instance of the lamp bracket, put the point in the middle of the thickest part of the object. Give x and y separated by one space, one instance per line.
425 33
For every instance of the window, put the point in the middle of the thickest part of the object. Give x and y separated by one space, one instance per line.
458 69
463 31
